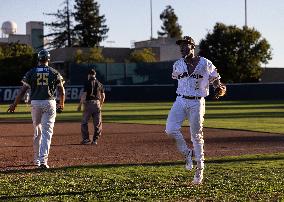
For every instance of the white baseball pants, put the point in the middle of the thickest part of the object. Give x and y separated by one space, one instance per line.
194 111
43 116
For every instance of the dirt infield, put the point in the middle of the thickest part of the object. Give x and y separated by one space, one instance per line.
124 144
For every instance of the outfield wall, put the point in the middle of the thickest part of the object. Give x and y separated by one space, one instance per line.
249 91
245 91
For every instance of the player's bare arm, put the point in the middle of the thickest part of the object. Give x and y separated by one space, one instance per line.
18 98
61 91
102 100
82 100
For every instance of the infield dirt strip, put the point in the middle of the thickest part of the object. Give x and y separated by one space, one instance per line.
124 144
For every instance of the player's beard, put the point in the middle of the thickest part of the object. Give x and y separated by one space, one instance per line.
188 56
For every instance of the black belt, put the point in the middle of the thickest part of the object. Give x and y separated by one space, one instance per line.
189 97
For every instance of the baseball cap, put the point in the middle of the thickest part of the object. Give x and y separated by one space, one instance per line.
43 55
92 72
186 39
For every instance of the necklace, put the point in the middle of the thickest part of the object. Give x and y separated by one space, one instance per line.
191 64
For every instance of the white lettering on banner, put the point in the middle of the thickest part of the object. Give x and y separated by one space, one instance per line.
15 93
67 93
81 92
78 93
9 94
74 93
107 88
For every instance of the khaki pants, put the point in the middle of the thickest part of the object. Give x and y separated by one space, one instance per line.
91 109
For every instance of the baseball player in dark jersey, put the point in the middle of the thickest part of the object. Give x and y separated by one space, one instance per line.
42 81
93 98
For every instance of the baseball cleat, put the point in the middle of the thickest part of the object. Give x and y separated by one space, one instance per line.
188 160
86 141
37 163
94 143
43 166
198 177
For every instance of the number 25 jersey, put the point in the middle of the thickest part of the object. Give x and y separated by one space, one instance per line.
42 81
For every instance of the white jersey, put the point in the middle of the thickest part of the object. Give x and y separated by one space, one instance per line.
197 83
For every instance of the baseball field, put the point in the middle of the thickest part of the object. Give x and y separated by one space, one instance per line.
135 160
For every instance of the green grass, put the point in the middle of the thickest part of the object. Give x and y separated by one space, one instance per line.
246 178
263 116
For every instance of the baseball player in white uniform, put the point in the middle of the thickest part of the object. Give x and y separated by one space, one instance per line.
194 74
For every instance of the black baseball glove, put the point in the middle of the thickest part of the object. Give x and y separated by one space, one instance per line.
220 91
59 109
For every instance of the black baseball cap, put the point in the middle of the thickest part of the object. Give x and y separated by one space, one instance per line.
186 39
43 55
92 72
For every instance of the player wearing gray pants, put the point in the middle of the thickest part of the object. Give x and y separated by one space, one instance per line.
92 109
92 98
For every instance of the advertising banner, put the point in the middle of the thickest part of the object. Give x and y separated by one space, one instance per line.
8 93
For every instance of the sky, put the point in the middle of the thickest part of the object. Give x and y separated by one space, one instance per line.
130 20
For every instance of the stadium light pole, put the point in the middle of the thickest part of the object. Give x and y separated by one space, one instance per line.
246 13
151 18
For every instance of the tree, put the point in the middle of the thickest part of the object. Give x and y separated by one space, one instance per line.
237 53
91 28
15 60
170 26
144 55
62 34
93 56
14 50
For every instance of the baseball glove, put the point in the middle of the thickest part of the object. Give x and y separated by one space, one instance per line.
220 91
59 109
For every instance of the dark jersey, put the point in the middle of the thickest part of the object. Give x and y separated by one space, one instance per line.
43 81
94 89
